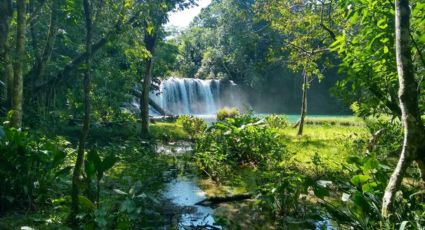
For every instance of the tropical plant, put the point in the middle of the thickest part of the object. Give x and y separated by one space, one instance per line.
227 112
192 125
29 166
277 121
281 194
242 140
360 203
95 168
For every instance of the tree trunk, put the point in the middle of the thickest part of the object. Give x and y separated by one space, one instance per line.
51 38
43 58
152 103
86 121
18 80
303 104
150 39
408 97
6 71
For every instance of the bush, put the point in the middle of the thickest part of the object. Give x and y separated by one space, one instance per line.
192 125
29 166
276 121
243 140
227 112
360 204
389 142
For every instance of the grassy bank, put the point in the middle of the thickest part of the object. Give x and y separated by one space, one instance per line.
139 172
324 147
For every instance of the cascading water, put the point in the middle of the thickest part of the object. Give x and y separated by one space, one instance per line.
196 96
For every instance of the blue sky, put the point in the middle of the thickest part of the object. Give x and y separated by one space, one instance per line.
182 19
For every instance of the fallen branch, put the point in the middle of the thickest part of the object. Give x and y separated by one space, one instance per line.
374 140
297 124
223 199
154 105
202 227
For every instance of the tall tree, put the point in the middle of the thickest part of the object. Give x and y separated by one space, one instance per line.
45 53
149 40
414 131
156 15
303 104
18 81
86 120
306 28
6 69
374 72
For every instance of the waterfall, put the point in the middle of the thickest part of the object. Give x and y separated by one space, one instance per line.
195 96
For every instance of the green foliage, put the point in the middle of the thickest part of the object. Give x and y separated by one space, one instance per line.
317 162
281 194
277 121
360 205
94 169
370 173
366 48
227 41
359 210
242 140
30 165
192 125
226 112
305 38
389 142
362 210
95 166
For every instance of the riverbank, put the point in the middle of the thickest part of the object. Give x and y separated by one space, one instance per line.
142 187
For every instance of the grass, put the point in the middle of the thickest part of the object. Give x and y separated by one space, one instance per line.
168 131
338 121
330 138
116 133
332 143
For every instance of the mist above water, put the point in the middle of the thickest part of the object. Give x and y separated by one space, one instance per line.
196 96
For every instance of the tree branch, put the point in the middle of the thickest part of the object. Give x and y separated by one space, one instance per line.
63 75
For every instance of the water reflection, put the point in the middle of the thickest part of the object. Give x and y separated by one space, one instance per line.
184 192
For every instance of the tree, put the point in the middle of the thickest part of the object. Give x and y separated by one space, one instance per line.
306 34
6 68
149 41
86 121
374 71
156 16
18 81
414 130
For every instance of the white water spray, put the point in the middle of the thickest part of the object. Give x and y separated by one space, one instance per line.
196 96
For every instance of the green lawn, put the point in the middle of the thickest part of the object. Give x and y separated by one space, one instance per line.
333 143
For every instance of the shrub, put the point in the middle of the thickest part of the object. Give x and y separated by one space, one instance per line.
192 125
360 204
243 140
281 193
389 142
276 121
227 112
29 166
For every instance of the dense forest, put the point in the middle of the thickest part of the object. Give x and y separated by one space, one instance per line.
110 119
232 40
